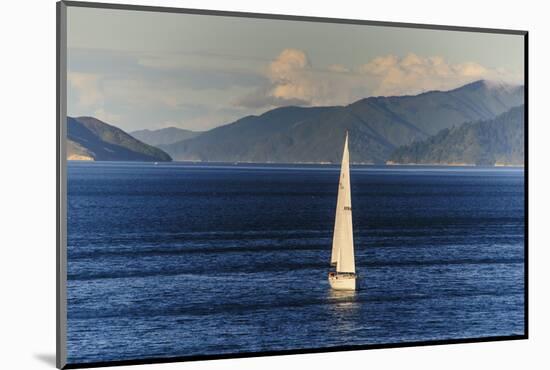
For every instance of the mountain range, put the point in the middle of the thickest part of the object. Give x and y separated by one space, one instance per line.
498 141
91 139
163 136
404 129
377 127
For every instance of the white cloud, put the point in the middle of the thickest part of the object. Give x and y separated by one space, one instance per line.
293 80
199 93
290 76
414 74
87 86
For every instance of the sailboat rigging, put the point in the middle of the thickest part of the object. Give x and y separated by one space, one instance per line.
342 257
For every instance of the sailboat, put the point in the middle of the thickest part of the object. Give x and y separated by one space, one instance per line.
343 278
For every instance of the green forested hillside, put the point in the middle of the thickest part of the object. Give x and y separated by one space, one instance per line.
377 127
499 141
163 136
91 139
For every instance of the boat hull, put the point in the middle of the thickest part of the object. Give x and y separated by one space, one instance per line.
342 281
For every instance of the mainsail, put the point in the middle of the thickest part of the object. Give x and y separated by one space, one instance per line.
342 240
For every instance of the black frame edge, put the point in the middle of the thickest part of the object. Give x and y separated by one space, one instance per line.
61 276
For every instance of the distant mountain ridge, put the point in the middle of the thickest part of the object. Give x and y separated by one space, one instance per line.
163 136
498 141
91 139
377 127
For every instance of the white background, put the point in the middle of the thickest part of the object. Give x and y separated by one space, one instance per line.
27 203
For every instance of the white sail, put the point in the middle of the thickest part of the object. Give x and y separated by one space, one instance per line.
342 240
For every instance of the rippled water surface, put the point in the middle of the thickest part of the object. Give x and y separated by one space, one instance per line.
180 259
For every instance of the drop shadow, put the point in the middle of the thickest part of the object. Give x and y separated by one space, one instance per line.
46 358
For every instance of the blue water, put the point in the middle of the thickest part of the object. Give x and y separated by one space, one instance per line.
180 259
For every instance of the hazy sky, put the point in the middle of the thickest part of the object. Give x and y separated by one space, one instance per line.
151 70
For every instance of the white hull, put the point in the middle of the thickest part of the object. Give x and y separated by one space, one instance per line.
342 282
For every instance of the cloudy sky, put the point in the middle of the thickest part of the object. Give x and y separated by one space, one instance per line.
152 70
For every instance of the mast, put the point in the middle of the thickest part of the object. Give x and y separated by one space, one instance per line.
342 240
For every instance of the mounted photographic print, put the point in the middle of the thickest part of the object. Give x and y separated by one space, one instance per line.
237 184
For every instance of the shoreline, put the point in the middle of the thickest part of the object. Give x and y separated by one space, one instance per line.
387 164
391 163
